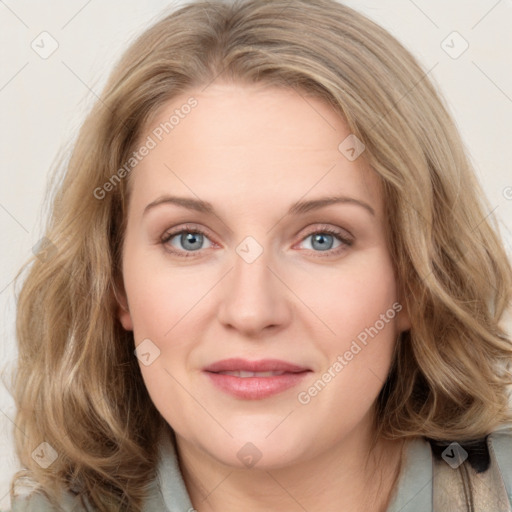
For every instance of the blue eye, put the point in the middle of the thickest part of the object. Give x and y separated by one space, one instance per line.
190 240
323 240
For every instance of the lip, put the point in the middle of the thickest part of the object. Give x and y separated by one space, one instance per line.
263 365
255 388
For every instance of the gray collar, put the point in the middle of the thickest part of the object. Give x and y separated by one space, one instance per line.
168 492
414 489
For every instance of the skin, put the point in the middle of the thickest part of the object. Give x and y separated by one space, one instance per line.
252 151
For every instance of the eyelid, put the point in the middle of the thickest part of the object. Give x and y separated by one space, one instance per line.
170 233
327 228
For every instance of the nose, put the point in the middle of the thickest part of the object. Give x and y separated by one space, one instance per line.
254 297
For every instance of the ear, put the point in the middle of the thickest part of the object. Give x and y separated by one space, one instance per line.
122 310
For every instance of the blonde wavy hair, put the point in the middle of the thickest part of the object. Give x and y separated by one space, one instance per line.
78 385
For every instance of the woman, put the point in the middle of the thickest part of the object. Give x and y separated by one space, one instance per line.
268 283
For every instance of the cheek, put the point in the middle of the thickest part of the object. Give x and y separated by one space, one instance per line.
160 297
355 328
353 296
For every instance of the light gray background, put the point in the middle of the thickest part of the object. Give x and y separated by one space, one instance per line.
44 100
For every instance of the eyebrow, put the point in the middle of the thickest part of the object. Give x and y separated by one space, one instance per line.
298 208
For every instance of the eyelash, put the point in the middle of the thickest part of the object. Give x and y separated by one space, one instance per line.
194 230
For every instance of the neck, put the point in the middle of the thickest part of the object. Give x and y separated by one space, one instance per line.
344 478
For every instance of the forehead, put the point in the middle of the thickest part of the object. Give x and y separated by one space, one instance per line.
250 142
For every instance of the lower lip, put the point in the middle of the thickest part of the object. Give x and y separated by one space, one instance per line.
256 388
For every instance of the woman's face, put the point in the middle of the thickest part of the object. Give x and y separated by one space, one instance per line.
258 262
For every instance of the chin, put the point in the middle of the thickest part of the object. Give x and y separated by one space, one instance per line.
255 447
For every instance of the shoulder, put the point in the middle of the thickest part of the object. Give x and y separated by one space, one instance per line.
500 449
38 502
30 503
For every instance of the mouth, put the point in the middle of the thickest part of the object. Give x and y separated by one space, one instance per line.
244 374
255 380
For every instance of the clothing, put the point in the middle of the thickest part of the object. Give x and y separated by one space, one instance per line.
414 491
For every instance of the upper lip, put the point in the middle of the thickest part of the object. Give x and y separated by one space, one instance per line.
263 365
